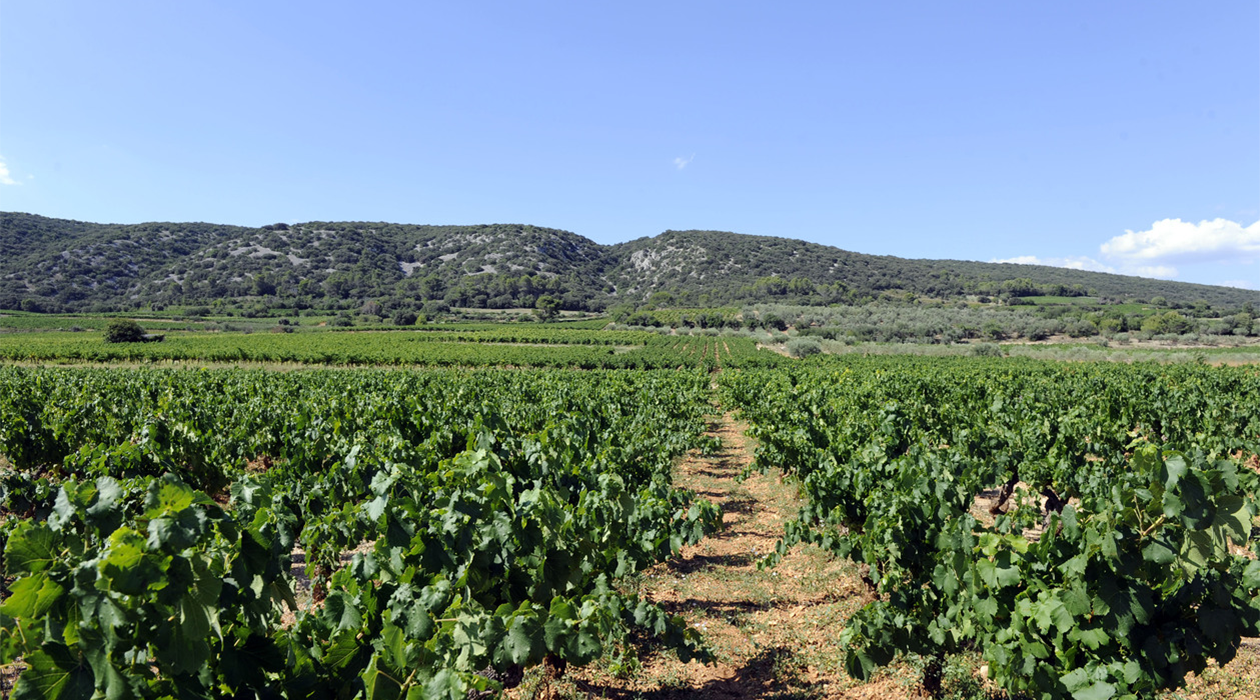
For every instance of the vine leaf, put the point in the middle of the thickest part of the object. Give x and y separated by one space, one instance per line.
30 549
53 674
32 596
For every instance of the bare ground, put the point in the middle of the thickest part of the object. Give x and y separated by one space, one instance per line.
772 631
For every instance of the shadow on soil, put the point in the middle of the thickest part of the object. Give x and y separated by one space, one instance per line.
701 562
730 610
720 473
770 674
742 506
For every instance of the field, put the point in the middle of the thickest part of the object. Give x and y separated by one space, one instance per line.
1056 301
552 512
517 347
18 321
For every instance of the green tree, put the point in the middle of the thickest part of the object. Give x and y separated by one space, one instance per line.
123 330
1171 322
264 285
404 318
547 307
660 300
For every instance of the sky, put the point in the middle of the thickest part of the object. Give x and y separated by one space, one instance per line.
1114 136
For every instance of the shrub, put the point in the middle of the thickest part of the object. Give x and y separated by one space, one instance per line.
1082 329
803 347
124 330
986 350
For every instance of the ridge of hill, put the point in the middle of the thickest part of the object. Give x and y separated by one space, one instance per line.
62 265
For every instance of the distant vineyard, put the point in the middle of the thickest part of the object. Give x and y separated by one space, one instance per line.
517 347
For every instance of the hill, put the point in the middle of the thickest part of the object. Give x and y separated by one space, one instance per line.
60 265
738 267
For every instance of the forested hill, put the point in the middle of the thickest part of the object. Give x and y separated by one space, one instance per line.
59 265
729 264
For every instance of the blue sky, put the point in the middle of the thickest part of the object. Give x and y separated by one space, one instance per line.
1119 135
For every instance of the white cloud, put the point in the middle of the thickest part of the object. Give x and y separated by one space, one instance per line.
1020 260
1165 272
1079 262
5 177
1174 240
681 162
1083 262
1241 284
1169 243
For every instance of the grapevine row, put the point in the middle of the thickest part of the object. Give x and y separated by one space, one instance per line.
1119 552
490 515
544 348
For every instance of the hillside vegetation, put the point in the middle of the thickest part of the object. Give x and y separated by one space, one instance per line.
57 265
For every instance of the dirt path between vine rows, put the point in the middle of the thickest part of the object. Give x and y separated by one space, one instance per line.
774 632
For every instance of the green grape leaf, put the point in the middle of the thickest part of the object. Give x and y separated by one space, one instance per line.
31 549
1233 515
378 683
559 624
1097 691
53 674
31 597
524 640
1175 468
342 649
375 508
340 613
1091 638
1159 552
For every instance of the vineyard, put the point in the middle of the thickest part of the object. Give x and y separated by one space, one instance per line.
1086 530
547 348
490 515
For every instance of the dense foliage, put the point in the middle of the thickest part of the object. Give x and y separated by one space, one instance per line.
952 324
452 522
123 330
1118 551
